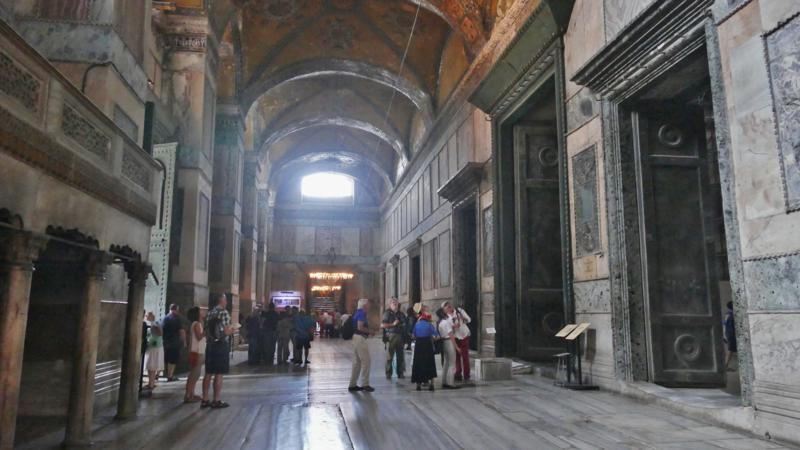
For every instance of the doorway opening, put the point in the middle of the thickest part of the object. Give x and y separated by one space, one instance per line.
531 222
415 291
676 249
465 234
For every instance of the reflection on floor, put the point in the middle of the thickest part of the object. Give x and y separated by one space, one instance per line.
292 408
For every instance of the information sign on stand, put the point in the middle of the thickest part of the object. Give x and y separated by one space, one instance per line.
572 335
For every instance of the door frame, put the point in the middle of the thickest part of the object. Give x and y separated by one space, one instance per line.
548 65
592 76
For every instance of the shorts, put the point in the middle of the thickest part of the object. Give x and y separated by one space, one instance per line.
172 355
217 360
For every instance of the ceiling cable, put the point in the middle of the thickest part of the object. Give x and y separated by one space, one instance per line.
402 65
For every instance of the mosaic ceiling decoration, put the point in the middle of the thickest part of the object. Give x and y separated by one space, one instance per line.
307 69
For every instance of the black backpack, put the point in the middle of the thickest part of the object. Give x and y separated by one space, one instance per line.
347 329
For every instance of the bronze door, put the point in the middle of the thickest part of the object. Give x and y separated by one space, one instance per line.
678 238
540 311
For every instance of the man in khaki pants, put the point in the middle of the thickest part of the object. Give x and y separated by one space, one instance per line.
361 359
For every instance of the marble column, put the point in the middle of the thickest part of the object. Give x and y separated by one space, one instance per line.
247 289
261 249
191 66
18 250
226 206
81 395
132 347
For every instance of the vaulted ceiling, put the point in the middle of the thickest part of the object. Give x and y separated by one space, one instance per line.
335 84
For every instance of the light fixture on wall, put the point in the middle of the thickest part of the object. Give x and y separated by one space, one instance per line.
331 276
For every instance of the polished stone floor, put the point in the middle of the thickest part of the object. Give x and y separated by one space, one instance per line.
292 408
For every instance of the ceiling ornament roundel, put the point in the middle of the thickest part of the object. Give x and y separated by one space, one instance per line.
337 34
281 10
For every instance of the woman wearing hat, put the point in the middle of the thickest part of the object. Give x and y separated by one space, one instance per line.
423 369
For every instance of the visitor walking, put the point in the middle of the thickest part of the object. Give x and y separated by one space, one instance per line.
218 328
174 339
285 326
729 328
361 359
304 328
197 352
460 321
423 368
154 356
327 318
394 330
449 349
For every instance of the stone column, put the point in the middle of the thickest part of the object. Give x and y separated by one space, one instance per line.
132 348
84 362
226 205
250 237
18 250
191 66
261 249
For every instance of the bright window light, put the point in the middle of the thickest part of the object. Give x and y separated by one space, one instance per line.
327 185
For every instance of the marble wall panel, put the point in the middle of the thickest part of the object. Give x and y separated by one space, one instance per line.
619 13
773 284
584 37
487 255
366 242
465 143
593 296
304 245
349 241
774 12
748 68
783 55
775 340
581 108
443 254
584 190
452 156
598 349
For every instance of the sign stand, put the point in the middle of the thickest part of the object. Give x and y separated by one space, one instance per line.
572 335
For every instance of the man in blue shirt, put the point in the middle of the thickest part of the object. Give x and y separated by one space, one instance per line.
174 340
303 329
361 360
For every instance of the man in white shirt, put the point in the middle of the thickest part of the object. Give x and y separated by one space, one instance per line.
460 321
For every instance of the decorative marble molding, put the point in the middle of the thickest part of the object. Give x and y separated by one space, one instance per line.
20 84
75 126
135 171
463 184
665 31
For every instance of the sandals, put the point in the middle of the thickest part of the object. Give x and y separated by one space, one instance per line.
219 404
205 404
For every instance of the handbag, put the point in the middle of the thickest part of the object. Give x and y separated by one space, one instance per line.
438 346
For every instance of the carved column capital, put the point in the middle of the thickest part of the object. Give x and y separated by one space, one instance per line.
138 272
97 262
20 248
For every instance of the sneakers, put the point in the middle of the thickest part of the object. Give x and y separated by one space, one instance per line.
358 388
354 388
368 388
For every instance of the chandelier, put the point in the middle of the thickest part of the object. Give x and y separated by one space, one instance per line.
331 276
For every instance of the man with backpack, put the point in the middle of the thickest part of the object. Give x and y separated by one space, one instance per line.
394 328
361 359
218 328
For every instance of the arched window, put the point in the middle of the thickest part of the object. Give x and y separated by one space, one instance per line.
327 187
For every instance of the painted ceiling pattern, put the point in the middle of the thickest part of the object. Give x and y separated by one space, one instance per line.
316 77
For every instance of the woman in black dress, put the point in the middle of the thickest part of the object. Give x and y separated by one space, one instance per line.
423 369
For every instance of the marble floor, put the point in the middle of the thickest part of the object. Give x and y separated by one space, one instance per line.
310 408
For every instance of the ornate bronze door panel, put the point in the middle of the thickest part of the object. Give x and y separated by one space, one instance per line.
540 308
678 238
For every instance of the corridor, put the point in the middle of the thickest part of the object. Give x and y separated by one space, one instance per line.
290 408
